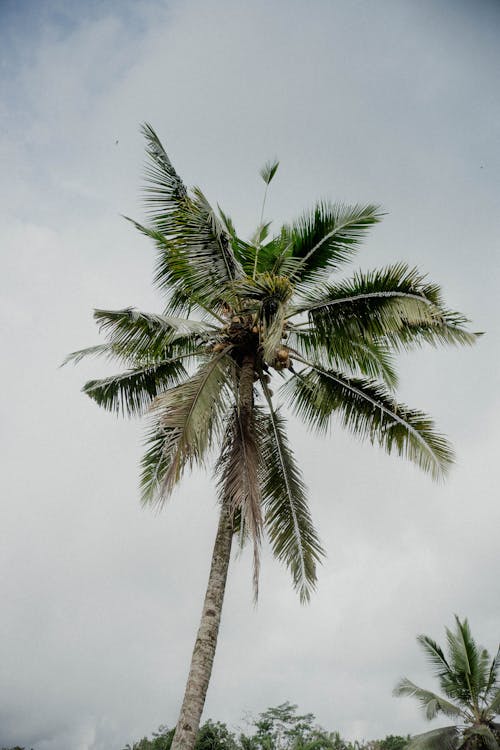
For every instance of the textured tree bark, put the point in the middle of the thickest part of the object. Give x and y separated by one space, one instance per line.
206 639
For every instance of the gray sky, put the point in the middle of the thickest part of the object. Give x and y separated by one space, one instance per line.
395 102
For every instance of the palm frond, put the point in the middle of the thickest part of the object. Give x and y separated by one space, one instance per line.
194 247
149 337
165 192
368 410
444 738
237 471
155 463
357 356
110 351
293 537
448 331
326 237
431 703
434 655
494 705
395 302
463 653
492 679
244 252
483 671
269 169
187 418
131 393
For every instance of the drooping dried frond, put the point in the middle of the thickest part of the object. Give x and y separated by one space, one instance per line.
237 472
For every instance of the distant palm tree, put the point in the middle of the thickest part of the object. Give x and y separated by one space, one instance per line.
237 314
469 680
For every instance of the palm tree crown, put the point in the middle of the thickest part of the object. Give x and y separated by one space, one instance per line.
239 313
469 679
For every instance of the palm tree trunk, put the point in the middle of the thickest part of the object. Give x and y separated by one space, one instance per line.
206 639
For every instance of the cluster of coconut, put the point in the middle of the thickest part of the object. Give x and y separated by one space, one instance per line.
282 359
238 330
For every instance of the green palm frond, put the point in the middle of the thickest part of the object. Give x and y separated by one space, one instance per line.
273 257
448 331
445 738
196 265
431 703
372 303
165 191
484 664
434 655
359 357
464 654
206 243
244 252
368 411
395 302
109 351
189 417
195 253
269 169
325 238
491 681
293 537
148 337
237 471
131 393
494 705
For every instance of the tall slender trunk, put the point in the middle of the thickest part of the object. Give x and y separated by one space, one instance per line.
206 639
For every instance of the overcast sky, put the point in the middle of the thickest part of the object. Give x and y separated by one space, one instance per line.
395 102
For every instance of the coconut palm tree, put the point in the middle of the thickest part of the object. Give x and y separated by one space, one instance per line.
469 679
240 315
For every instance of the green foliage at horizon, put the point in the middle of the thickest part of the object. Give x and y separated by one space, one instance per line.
277 728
